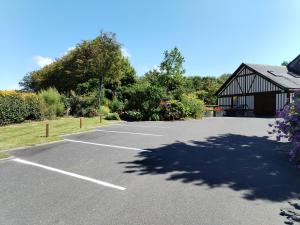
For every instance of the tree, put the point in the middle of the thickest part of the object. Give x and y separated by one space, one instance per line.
284 63
88 60
172 63
208 87
107 60
223 78
152 76
170 73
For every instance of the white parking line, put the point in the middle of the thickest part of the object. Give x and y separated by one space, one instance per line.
126 132
105 145
130 125
70 174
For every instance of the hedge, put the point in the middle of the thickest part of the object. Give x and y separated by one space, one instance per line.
16 107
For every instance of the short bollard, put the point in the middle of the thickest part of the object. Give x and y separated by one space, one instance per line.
47 129
100 118
81 122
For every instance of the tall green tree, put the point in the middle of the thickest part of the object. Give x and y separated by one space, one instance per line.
170 74
90 59
172 71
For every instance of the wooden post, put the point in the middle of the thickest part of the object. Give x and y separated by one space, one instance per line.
47 129
100 118
81 122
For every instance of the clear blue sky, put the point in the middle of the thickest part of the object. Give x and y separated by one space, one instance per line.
214 36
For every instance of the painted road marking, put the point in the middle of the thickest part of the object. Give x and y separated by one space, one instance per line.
130 125
127 132
89 131
105 145
69 174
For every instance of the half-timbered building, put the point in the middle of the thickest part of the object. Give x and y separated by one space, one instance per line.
259 90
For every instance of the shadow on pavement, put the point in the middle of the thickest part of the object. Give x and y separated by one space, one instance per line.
254 164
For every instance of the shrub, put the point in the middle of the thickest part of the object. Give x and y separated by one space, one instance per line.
142 98
112 116
16 107
116 106
173 110
287 126
155 117
52 104
66 101
86 105
33 106
132 115
104 110
12 108
194 106
89 112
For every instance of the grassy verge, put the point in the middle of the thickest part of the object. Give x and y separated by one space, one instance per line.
3 155
30 133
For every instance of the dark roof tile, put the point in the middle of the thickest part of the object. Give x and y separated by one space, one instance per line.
279 74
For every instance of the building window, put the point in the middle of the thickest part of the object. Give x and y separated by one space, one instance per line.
234 101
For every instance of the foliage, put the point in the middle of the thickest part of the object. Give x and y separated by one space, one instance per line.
194 106
33 106
112 116
17 107
284 63
173 110
170 76
288 126
155 116
78 75
52 104
205 87
116 106
89 60
132 115
87 87
12 108
104 110
144 98
170 73
85 105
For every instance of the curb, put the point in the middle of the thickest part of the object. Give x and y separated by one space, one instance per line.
30 146
8 158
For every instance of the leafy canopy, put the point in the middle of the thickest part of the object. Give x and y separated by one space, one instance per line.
90 59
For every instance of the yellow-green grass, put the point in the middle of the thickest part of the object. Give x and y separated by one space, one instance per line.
3 155
31 133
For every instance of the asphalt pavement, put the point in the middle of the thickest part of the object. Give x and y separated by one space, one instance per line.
215 171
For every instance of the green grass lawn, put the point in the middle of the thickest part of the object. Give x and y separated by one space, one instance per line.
31 133
3 155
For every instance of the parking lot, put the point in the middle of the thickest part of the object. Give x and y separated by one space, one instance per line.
209 172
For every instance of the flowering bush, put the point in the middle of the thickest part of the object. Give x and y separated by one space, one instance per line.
288 126
173 110
218 109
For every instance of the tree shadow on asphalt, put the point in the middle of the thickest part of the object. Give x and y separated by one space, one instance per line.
256 165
